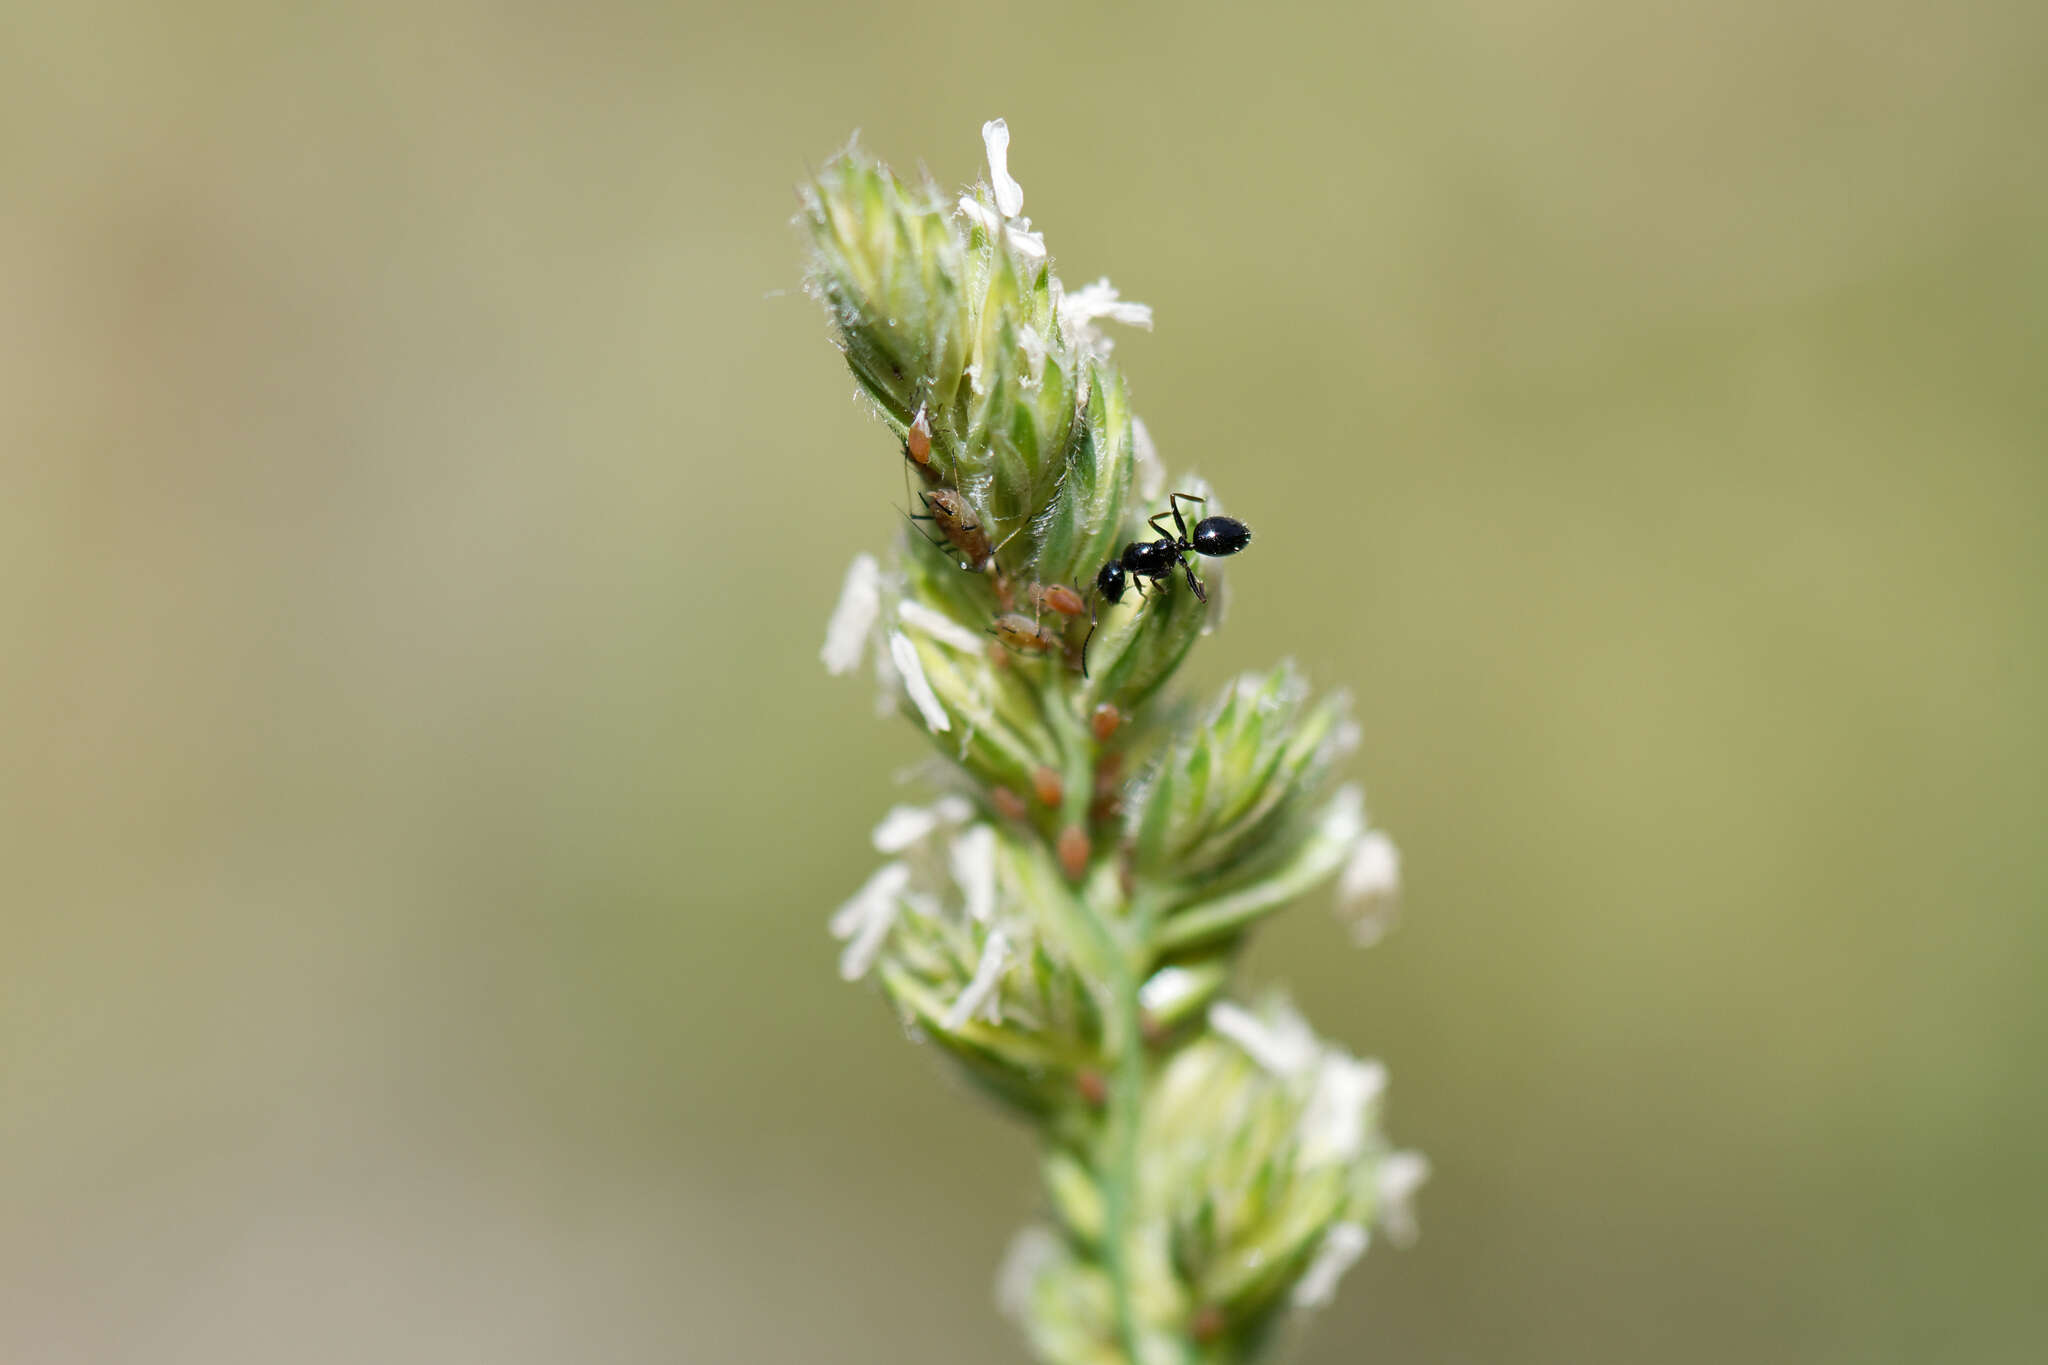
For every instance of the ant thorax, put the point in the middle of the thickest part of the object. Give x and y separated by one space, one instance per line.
1151 558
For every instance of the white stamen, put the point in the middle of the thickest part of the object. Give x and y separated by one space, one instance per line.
1080 310
995 136
888 685
974 868
1033 1251
1166 988
1399 1176
1333 1124
1344 818
981 989
904 826
860 602
940 627
1284 1046
916 684
1022 240
1251 689
982 215
1368 889
1151 471
1033 346
1103 300
866 917
1342 1245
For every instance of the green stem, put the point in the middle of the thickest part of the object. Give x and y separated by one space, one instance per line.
1120 1159
1077 748
1121 939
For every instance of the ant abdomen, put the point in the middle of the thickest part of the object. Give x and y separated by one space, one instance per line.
1219 536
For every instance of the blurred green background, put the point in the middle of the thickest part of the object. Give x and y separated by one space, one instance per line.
424 488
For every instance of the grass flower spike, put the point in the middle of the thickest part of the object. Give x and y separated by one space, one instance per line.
1063 919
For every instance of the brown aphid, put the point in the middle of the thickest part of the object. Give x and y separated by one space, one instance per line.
1109 795
917 446
1074 850
1093 1087
1055 597
1023 634
956 521
1046 783
1207 1324
1008 804
917 443
1152 1029
1104 722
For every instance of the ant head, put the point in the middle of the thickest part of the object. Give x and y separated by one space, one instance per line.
1110 581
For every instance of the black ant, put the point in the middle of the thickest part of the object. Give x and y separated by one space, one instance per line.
1156 559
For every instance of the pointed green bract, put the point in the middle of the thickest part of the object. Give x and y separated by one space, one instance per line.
1233 792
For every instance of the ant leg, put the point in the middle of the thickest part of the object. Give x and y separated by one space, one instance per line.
1154 521
1174 503
1194 582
